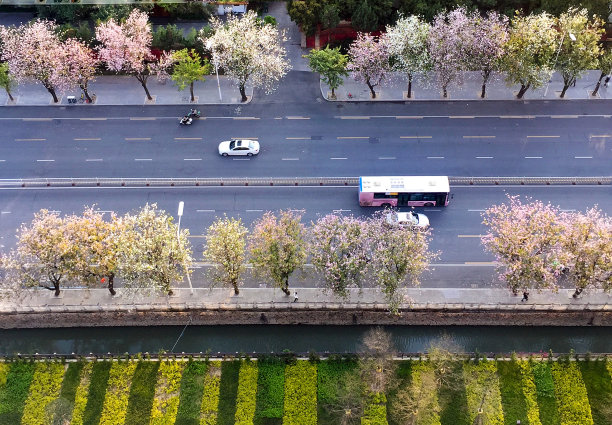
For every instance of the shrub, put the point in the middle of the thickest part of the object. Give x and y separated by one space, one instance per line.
375 412
270 390
97 391
511 389
228 388
44 388
481 381
166 401
117 393
300 394
599 388
191 394
15 391
169 37
247 393
142 392
545 388
80 396
530 393
4 369
571 394
210 396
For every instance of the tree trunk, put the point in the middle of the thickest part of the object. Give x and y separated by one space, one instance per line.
236 290
111 287
565 87
143 82
243 93
191 91
8 92
485 79
84 88
522 91
409 94
371 87
285 287
51 90
444 92
596 89
333 95
56 287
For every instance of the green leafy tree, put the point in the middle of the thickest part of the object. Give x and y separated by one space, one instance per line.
188 69
579 45
226 250
364 17
7 82
604 64
331 64
306 14
278 247
168 37
330 16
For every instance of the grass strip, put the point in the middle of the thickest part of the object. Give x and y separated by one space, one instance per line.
511 389
97 390
530 393
571 394
80 397
599 389
425 394
15 392
545 387
117 393
190 397
404 380
375 411
329 373
482 391
44 389
64 404
142 392
210 397
166 399
270 392
453 399
228 389
300 394
246 396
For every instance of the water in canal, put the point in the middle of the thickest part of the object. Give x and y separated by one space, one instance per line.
301 339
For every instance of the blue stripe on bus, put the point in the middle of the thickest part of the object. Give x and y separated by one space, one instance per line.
360 187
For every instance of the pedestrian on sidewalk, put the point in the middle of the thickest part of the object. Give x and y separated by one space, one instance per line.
295 297
525 296
606 81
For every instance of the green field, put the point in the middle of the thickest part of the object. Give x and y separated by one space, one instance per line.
279 391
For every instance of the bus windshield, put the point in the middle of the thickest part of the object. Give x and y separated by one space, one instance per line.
403 191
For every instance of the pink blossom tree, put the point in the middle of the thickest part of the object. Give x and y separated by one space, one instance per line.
369 60
525 238
34 52
483 44
82 63
445 46
126 47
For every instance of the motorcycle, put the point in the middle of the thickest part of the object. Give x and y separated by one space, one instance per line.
186 120
194 113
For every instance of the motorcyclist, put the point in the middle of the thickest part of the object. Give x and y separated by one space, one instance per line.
194 113
186 120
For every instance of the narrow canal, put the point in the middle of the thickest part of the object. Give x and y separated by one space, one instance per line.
301 339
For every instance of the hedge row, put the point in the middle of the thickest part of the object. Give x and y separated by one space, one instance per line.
300 394
210 396
429 407
571 394
166 399
80 396
482 391
598 384
44 389
190 397
15 392
117 393
142 392
270 391
530 393
246 397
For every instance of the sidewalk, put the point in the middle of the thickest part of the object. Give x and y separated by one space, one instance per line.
395 89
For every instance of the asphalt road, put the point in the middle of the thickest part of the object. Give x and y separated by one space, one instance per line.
456 228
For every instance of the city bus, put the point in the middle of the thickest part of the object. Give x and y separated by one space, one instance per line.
403 191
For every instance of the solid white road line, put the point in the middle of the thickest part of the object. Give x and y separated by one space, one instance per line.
337 158
192 159
435 157
533 157
45 160
143 159
583 157
94 160
484 157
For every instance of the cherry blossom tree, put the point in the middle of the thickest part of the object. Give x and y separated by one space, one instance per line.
575 56
338 249
226 250
525 237
278 247
369 60
604 64
7 81
483 44
126 46
587 249
529 51
34 52
445 46
248 51
407 43
82 64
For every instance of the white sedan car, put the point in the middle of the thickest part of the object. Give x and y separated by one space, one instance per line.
407 219
239 147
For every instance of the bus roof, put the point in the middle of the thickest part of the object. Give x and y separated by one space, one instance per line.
412 184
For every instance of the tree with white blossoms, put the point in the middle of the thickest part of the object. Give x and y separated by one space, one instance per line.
587 249
338 248
445 46
82 64
249 51
278 247
604 65
34 52
397 255
529 51
525 237
407 43
483 44
369 60
126 47
153 253
575 56
226 250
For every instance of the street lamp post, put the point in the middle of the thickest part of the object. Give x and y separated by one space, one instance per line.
573 38
217 72
178 238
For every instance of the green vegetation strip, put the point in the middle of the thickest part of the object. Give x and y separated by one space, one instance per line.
300 394
166 398
210 398
80 397
545 387
511 388
15 392
452 399
44 389
191 394
375 411
117 393
228 388
65 403
270 392
571 394
599 388
246 396
482 392
142 393
97 391
530 392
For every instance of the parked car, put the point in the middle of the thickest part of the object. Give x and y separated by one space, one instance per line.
239 147
407 219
